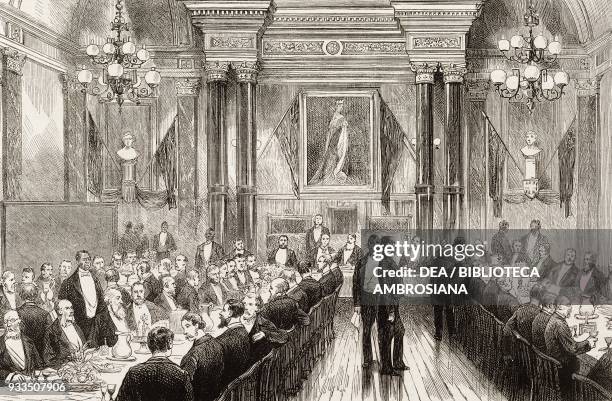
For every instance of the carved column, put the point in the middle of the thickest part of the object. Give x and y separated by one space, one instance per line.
246 151
12 63
453 189
216 134
476 95
187 91
75 140
587 176
424 188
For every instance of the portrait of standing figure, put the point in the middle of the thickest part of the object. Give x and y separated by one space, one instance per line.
334 163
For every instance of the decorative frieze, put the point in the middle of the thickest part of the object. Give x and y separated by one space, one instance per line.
453 73
293 47
437 42
587 87
187 86
14 32
14 60
333 19
351 48
216 70
424 72
246 71
477 89
437 13
224 42
331 47
233 13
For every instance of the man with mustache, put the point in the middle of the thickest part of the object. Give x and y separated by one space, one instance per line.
166 300
204 360
83 290
322 250
235 341
243 278
213 293
18 355
532 241
281 310
47 287
109 321
10 299
152 283
187 298
142 312
590 281
34 319
264 334
208 253
64 336
282 255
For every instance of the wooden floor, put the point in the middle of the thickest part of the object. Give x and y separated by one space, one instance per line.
437 371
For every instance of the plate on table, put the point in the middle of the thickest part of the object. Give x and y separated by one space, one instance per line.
82 387
130 359
104 367
584 317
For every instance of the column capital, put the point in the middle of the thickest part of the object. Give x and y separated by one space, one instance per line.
587 86
187 86
477 89
424 72
14 60
216 70
246 71
453 72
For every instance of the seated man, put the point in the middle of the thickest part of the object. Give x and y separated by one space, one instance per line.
142 313
243 278
110 321
312 288
204 360
34 319
281 310
18 355
187 297
349 254
252 267
295 292
518 257
235 342
564 274
538 328
152 282
238 249
27 275
264 334
322 250
590 282
282 255
179 271
9 299
601 373
158 378
545 262
506 303
325 278
166 300
112 277
522 319
64 335
561 345
230 281
213 292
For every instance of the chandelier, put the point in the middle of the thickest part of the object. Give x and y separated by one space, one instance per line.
534 84
120 61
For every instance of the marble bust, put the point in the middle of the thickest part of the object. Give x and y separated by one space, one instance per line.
128 156
531 154
127 152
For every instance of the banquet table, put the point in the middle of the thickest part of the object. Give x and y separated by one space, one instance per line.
180 348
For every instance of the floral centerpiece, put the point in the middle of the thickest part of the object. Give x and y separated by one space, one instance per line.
80 373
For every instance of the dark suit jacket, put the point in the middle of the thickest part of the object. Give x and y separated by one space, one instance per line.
522 321
500 245
170 244
248 281
561 345
156 313
33 360
204 364
216 254
71 290
152 287
506 306
352 260
328 283
538 329
300 296
285 313
358 277
60 348
236 345
601 373
314 252
291 258
310 240
273 337
35 321
338 276
188 299
545 268
163 304
568 279
313 289
5 306
594 286
208 295
103 330
158 379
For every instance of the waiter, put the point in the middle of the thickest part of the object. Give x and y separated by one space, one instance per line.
163 243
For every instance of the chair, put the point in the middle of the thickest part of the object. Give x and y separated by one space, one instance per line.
523 354
585 389
546 385
245 387
266 387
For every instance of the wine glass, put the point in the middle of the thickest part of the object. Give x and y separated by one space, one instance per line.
103 391
111 390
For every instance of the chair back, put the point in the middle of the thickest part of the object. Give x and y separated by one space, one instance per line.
546 377
245 387
585 389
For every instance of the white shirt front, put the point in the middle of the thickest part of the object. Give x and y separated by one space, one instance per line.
281 256
316 233
217 289
10 297
321 252
88 288
248 324
347 255
16 352
564 269
207 251
72 335
141 312
170 302
120 324
584 280
531 243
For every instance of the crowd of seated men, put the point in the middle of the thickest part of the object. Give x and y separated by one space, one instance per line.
538 308
48 318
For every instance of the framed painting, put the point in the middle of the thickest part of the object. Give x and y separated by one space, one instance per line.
340 141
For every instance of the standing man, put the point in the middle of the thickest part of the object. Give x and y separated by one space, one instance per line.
47 287
349 254
282 255
500 244
238 250
84 292
314 233
128 240
163 243
532 241
209 252
142 243
34 319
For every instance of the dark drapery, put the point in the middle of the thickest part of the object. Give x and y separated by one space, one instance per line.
94 157
567 160
496 162
287 134
165 159
391 142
